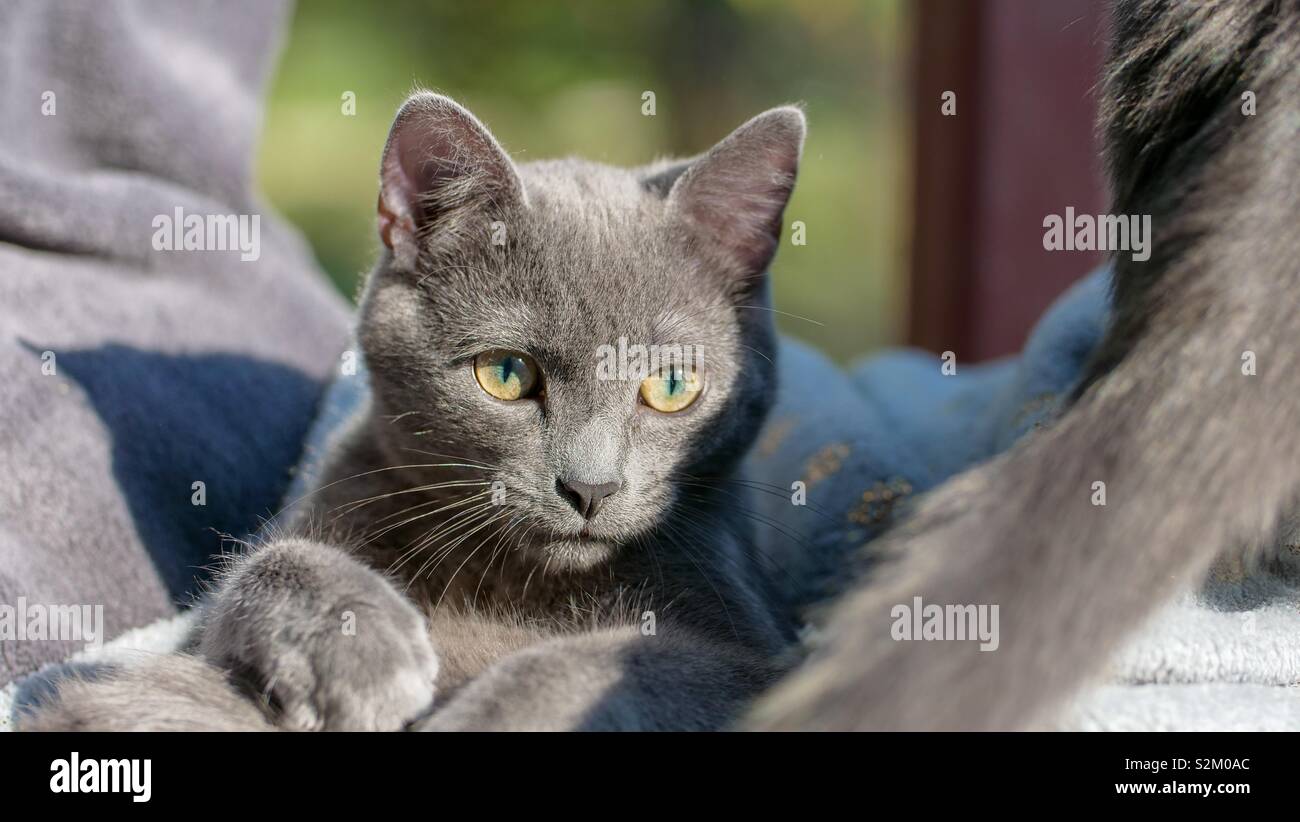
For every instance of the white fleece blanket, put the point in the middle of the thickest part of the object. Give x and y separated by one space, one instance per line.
1227 658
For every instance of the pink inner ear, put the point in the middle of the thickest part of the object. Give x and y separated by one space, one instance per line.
413 164
438 159
747 199
388 221
737 192
739 201
397 192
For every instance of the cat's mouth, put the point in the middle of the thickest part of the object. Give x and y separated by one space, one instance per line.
579 552
587 537
581 548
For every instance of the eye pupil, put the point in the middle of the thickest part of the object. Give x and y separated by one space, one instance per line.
506 375
670 390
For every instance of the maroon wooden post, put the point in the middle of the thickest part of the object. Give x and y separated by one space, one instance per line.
1021 146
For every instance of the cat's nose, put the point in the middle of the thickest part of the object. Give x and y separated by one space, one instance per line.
585 497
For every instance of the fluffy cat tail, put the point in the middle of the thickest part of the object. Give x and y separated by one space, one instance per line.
167 693
1183 443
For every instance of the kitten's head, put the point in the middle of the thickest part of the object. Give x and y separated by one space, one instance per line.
517 308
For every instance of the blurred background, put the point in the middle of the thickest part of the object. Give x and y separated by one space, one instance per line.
555 79
900 204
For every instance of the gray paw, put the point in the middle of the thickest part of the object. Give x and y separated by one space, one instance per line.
329 641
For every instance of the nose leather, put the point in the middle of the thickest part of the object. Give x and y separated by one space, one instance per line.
586 498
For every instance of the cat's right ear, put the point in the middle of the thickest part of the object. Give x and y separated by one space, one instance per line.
735 194
443 174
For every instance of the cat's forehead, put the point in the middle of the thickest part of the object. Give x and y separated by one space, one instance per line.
598 231
579 186
584 294
594 257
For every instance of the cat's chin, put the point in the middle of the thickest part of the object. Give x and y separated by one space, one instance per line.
578 553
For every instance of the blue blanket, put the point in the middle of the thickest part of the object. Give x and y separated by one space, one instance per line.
864 444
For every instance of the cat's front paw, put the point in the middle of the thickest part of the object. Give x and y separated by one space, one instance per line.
331 643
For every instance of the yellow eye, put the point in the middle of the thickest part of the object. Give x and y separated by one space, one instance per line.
672 389
506 375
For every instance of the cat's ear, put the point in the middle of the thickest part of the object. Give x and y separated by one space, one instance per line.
736 192
442 172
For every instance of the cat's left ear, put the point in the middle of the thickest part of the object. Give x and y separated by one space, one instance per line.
735 194
443 176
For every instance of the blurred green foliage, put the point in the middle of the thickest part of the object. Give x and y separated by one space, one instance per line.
552 79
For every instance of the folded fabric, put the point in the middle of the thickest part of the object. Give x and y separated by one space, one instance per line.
952 419
153 400
863 446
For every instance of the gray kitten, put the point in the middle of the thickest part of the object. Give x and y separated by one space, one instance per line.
547 546
1198 455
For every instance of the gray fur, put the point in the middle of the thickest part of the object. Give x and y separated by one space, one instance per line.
612 679
534 614
165 693
296 612
1197 457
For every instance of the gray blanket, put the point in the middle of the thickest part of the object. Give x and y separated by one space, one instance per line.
130 373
